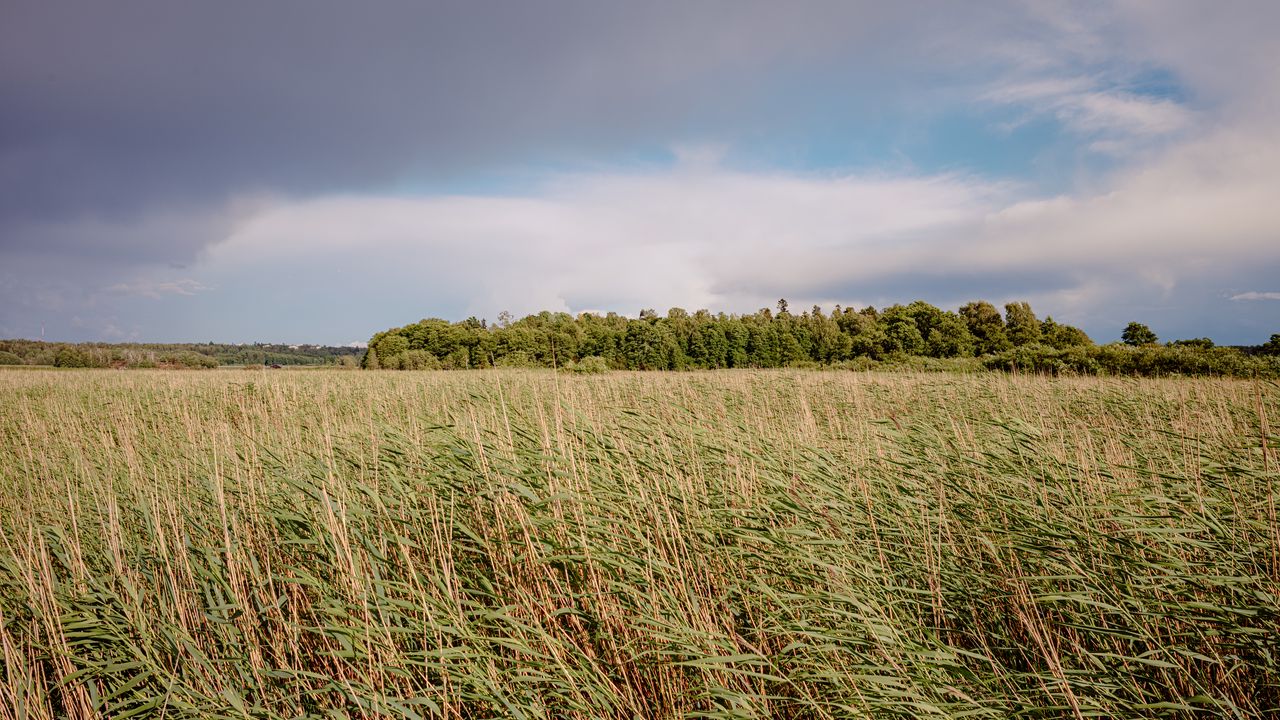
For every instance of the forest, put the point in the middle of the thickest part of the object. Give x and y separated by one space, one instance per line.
917 335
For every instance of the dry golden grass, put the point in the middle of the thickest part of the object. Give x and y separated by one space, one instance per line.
718 544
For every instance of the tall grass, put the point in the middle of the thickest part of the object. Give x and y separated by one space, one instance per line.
730 544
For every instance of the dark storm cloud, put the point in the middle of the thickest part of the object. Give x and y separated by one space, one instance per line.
110 107
132 133
170 167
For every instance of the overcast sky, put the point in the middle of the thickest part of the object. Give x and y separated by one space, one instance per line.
314 171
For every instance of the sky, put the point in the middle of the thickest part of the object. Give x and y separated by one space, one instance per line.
316 171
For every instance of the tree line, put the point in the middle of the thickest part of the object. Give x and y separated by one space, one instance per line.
978 333
170 355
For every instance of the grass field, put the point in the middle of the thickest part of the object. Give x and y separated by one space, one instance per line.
722 544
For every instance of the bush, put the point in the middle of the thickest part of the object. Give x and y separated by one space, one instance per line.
518 359
589 365
189 360
1144 360
70 357
8 358
415 360
459 359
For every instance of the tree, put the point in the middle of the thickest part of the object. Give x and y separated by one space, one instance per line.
709 348
945 334
901 332
1272 346
1057 335
986 326
391 346
650 346
371 359
1021 324
828 344
1135 333
69 357
949 337
866 336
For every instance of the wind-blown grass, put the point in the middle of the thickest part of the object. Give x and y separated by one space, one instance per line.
727 544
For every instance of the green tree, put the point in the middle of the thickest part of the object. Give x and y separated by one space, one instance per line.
371 359
901 332
986 326
1061 336
788 347
70 357
1135 333
1021 323
650 346
1272 346
738 338
709 348
390 348
866 336
949 337
829 344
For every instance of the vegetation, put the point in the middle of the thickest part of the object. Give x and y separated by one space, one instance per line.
173 355
1135 333
772 544
1147 360
913 334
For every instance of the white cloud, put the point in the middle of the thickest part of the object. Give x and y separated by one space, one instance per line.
155 289
699 236
1087 107
695 238
1255 295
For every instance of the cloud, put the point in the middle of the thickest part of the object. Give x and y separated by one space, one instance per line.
133 134
619 242
157 289
113 111
1085 108
1254 295
700 236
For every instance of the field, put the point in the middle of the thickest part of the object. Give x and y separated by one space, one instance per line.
773 544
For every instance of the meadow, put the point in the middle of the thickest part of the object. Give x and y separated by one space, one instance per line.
718 544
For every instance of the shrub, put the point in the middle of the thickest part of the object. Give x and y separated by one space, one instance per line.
459 359
8 358
189 360
71 357
518 359
416 360
1144 360
589 365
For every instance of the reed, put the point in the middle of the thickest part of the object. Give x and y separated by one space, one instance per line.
731 544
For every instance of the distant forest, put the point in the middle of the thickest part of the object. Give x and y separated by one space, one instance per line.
173 355
920 335
914 336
